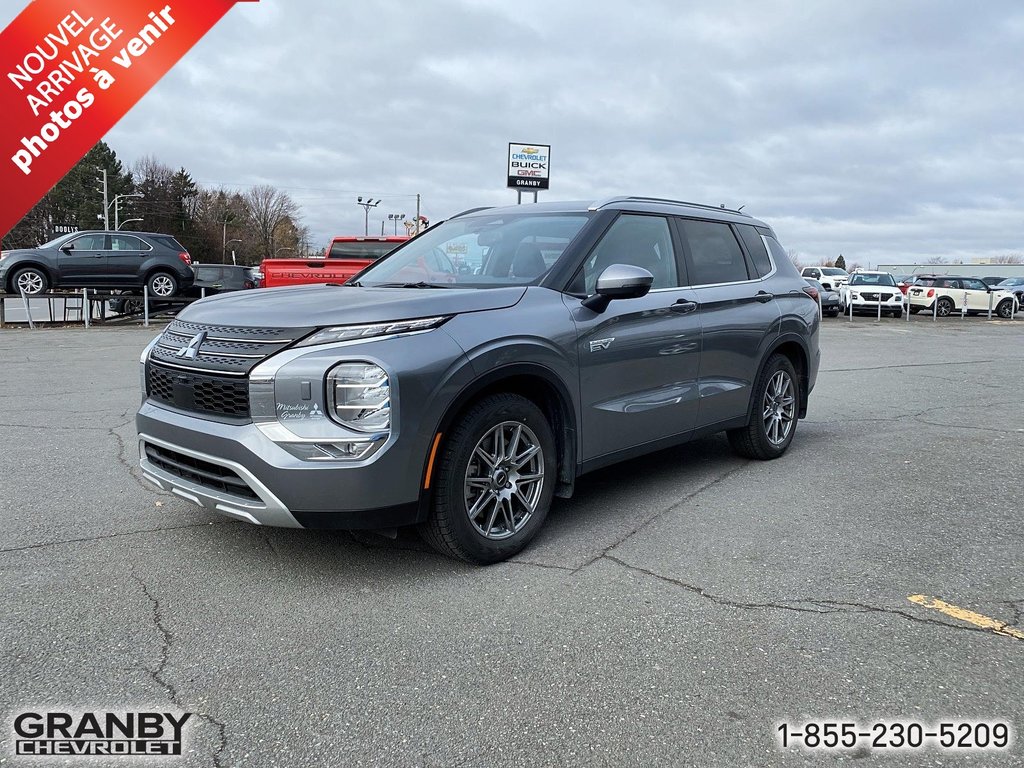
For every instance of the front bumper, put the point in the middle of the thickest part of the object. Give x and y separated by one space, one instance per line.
235 470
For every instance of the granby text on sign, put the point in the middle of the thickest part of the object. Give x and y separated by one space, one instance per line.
528 166
49 734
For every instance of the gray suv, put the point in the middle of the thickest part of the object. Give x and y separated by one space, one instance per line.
462 401
100 259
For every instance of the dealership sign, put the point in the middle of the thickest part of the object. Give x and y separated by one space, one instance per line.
528 166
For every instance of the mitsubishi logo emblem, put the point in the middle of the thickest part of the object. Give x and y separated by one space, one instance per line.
189 351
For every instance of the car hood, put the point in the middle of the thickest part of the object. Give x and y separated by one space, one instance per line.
305 306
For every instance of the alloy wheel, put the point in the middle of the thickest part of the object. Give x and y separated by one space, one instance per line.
30 282
779 408
504 480
162 285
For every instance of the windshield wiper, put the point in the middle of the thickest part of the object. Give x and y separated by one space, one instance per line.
420 284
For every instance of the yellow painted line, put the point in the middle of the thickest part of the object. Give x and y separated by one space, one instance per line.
977 619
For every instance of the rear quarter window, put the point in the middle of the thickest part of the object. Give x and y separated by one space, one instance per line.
756 248
168 242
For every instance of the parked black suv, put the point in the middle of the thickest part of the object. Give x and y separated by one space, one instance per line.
211 279
463 402
99 260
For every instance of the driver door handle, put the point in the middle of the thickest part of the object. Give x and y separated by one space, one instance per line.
763 297
684 306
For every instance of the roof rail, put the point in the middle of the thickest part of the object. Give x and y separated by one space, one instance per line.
608 201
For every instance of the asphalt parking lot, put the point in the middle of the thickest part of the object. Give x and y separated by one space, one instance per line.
674 612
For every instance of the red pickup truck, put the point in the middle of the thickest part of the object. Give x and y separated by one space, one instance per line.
342 258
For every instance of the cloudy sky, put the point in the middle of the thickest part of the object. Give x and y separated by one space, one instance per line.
885 131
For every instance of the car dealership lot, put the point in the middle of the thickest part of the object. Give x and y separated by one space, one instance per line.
674 612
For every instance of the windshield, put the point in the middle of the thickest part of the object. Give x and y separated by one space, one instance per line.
862 279
361 249
481 251
833 271
1010 282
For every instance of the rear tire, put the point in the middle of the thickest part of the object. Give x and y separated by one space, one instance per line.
496 477
914 310
898 314
774 407
31 280
162 284
945 307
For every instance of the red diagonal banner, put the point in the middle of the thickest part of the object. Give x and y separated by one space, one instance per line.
69 70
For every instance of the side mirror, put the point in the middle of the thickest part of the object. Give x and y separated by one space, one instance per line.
619 281
68 248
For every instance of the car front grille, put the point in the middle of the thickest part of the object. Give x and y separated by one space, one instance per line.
227 350
200 472
198 393
204 369
874 296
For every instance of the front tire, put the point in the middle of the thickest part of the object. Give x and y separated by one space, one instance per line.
1005 309
773 416
162 284
30 281
495 481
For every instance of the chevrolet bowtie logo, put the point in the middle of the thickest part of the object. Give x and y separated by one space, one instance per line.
190 350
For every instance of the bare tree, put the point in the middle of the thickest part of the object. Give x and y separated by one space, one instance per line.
1009 258
269 209
935 260
794 256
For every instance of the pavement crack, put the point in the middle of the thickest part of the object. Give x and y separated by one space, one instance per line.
804 605
908 365
131 467
651 518
101 537
166 640
547 566
160 678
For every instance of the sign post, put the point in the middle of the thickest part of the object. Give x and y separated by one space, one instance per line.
529 167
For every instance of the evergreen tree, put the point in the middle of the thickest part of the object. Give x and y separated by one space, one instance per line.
75 202
841 262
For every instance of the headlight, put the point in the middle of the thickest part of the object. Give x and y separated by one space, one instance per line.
360 396
349 332
854 295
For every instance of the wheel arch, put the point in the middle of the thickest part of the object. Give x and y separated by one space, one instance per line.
542 387
794 348
14 269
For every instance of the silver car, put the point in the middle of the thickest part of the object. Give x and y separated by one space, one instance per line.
463 400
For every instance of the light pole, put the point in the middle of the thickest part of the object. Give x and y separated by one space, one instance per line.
126 221
367 205
115 202
396 217
229 242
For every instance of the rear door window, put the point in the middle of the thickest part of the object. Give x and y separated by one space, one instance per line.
715 255
125 243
